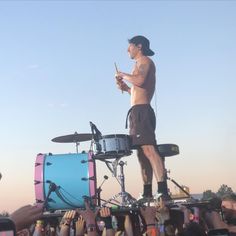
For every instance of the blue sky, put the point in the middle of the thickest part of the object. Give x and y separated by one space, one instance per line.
57 74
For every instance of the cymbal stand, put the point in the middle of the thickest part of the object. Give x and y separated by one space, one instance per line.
77 147
122 182
99 190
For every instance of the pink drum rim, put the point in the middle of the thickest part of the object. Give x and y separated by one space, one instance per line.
92 173
38 178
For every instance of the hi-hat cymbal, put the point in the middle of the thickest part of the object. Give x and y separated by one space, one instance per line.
73 138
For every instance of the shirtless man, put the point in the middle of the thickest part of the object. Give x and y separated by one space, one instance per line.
142 120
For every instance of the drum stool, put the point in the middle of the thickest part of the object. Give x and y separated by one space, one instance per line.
167 150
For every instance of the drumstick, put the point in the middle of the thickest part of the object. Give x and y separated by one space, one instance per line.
116 68
118 72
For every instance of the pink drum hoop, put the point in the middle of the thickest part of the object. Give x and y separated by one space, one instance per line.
38 176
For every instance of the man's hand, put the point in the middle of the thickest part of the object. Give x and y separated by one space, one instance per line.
163 213
68 217
26 215
105 212
149 214
88 215
119 75
122 85
79 225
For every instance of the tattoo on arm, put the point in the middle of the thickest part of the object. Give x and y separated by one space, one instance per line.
143 70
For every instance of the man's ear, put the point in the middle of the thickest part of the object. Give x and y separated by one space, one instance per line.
139 46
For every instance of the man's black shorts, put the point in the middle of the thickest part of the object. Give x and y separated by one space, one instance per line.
142 124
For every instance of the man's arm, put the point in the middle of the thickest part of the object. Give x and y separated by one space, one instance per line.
140 76
214 220
90 218
26 215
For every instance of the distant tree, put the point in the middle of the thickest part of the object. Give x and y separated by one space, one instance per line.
224 190
207 195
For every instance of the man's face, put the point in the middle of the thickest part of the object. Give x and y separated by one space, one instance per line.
227 204
133 50
229 209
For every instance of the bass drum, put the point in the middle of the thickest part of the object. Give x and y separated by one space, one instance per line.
73 175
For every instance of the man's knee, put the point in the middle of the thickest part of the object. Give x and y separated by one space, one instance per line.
141 157
148 150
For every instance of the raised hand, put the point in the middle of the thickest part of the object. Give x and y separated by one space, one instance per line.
122 85
90 218
79 226
68 217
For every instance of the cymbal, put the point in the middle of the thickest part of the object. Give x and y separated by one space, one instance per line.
73 138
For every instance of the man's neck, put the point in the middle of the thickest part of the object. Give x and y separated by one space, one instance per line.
138 57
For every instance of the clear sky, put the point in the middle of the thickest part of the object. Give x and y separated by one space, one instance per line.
57 74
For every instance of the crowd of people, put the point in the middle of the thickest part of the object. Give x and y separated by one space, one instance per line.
180 219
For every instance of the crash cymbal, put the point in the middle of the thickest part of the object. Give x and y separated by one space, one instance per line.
73 138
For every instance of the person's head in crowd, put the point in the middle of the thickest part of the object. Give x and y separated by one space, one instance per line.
194 229
229 200
228 206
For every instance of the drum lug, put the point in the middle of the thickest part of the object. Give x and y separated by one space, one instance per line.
48 163
117 145
92 178
104 145
86 179
39 201
85 161
37 182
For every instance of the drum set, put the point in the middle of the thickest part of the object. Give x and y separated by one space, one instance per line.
63 181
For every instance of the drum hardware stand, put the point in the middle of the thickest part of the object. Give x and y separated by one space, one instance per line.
99 190
172 180
96 135
52 188
180 187
115 163
77 147
126 198
112 168
122 181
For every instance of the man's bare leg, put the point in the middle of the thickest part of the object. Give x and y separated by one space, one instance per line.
147 173
155 160
158 167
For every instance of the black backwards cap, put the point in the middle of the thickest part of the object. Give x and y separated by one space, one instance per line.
136 40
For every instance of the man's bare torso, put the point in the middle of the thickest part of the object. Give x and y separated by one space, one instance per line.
144 94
